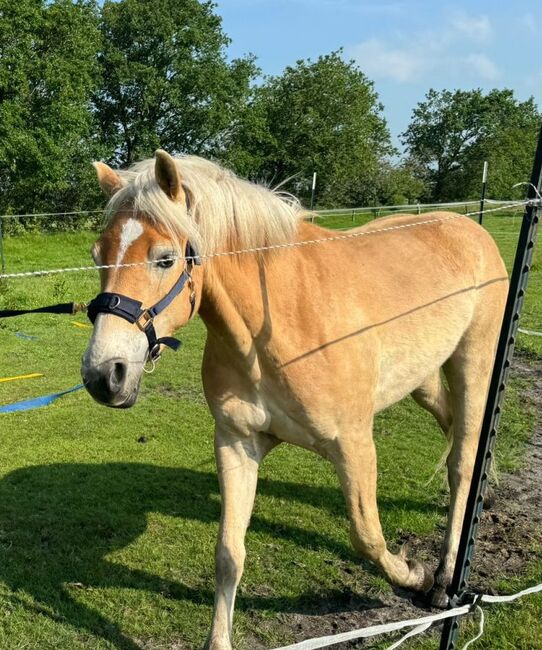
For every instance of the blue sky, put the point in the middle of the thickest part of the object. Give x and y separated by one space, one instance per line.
404 47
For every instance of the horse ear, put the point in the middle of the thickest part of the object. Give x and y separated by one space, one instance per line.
168 176
109 180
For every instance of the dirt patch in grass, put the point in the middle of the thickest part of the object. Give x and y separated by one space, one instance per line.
509 536
192 394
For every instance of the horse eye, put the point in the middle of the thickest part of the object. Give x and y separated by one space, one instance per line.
165 262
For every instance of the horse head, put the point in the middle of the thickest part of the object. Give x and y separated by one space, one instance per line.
149 283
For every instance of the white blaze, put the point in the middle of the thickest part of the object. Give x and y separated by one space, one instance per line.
109 341
131 231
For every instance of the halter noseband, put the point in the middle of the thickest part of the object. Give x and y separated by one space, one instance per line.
132 311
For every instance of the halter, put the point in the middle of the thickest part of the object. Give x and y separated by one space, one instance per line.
132 310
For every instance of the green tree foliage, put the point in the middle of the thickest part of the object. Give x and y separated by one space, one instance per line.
399 184
321 116
166 81
452 133
83 80
47 74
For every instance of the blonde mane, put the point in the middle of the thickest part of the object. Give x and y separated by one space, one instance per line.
224 210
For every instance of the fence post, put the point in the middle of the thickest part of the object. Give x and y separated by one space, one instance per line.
501 368
483 195
2 259
313 189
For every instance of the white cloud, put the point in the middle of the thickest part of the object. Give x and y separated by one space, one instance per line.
378 60
483 66
475 28
408 57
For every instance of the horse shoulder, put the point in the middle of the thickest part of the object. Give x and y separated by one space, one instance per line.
232 395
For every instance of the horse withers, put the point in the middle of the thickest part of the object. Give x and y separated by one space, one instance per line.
305 342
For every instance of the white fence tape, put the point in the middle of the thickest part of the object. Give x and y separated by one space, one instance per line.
422 624
408 206
41 215
511 597
480 630
419 624
529 332
295 244
370 208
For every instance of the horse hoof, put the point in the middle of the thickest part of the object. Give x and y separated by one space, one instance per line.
424 575
438 598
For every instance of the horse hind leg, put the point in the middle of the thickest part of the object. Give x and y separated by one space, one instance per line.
468 372
434 397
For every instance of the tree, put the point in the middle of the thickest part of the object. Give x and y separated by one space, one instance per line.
321 116
47 73
399 184
166 81
452 133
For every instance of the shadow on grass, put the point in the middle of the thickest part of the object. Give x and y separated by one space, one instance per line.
58 522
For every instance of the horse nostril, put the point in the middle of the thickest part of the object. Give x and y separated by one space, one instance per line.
117 376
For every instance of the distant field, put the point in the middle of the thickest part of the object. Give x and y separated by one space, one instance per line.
107 541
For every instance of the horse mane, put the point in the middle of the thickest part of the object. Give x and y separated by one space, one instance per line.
224 210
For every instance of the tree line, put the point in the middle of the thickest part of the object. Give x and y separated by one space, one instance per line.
80 81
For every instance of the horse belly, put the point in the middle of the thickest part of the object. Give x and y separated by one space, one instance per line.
418 347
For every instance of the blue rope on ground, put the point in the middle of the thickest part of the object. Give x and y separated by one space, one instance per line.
26 337
37 402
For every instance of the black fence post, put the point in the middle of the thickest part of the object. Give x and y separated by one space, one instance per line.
2 259
501 368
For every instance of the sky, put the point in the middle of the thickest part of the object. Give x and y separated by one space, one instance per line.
404 47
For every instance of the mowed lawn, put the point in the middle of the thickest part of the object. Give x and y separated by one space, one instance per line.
108 518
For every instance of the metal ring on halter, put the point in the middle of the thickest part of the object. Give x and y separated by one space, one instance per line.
150 370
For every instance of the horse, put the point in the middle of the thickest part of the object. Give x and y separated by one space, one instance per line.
310 333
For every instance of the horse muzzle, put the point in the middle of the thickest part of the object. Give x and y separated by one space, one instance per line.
110 383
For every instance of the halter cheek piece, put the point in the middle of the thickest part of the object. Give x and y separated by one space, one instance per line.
132 311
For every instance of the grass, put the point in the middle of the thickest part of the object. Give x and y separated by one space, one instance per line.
108 518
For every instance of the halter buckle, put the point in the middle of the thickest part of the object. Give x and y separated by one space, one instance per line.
144 320
154 353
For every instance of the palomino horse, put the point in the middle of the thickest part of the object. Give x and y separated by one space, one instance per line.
304 343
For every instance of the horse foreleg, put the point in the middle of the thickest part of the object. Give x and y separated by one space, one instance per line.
238 459
357 469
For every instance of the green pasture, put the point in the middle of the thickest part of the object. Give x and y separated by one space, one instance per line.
108 518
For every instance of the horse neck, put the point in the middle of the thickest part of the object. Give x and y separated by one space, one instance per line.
236 292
